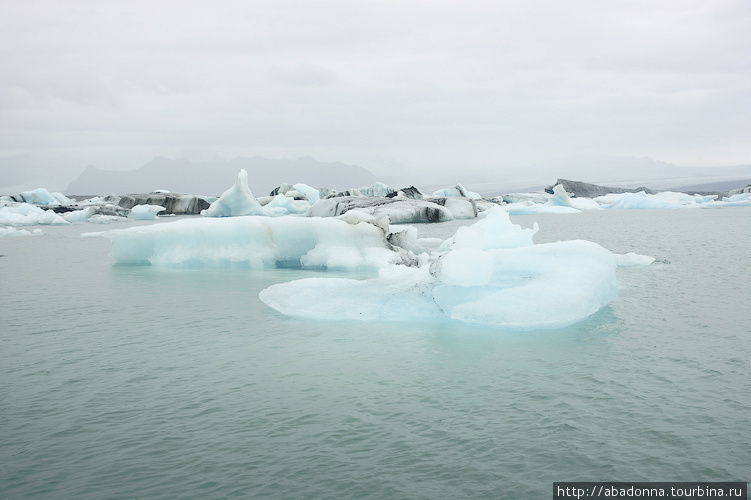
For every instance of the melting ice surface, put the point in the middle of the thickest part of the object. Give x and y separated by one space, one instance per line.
489 273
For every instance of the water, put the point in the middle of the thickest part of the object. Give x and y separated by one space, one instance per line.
140 382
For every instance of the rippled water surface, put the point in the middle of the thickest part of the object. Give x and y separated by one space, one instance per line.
139 382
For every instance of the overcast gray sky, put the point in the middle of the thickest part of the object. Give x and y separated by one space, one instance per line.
425 84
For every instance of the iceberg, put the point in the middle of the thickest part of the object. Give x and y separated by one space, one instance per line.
562 199
734 200
25 214
82 215
457 191
633 259
282 205
492 275
399 211
257 242
173 203
145 212
41 196
310 193
661 200
237 200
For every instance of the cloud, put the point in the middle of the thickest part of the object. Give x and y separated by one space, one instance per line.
434 85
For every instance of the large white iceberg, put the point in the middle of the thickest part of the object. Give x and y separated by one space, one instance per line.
492 275
256 242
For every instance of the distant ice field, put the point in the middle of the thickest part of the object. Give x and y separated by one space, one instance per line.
123 381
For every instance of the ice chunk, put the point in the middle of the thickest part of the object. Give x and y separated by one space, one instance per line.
461 208
41 196
282 205
495 230
561 198
237 200
641 200
255 242
80 215
398 211
492 275
145 212
25 214
457 191
735 200
310 192
633 259
106 219
541 286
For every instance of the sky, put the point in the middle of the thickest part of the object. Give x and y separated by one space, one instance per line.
483 86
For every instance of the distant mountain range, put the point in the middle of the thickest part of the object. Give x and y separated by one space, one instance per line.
212 178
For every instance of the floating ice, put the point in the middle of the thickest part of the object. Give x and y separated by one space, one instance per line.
492 275
283 205
461 208
633 259
561 198
24 214
661 200
255 242
736 200
398 211
80 215
237 200
310 192
12 231
542 286
145 212
379 189
106 219
41 196
457 191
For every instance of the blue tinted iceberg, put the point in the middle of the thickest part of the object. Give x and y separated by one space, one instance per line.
41 196
237 200
256 242
492 275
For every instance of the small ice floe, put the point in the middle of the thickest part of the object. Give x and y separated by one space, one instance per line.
145 212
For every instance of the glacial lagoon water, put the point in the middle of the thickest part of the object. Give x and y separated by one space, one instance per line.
142 382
